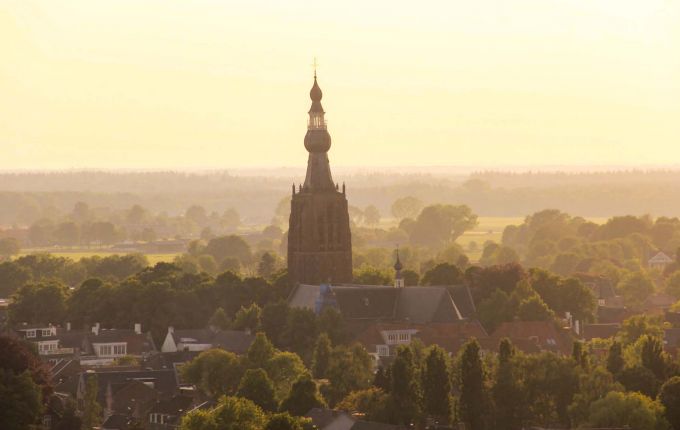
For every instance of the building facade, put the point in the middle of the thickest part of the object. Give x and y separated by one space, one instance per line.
319 238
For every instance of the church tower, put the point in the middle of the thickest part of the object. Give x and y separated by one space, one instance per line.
319 239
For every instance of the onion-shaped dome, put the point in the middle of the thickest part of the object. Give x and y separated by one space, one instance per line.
397 265
318 140
315 93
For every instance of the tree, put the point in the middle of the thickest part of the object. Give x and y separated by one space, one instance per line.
219 319
472 396
673 284
214 371
507 392
321 357
653 356
371 215
367 275
332 323
303 396
285 368
372 402
406 207
9 246
229 246
273 321
495 310
260 352
18 357
350 369
39 303
231 413
640 379
593 385
197 214
92 411
20 399
67 234
635 288
669 396
301 330
283 421
436 384
255 385
267 265
637 326
615 361
443 274
12 277
438 225
534 309
247 318
632 410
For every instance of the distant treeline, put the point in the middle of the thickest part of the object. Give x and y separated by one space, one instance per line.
28 197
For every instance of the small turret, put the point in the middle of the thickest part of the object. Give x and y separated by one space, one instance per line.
398 277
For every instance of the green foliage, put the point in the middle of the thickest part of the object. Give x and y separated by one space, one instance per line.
367 275
322 356
443 274
669 396
260 352
534 309
673 284
247 318
405 391
593 385
283 421
640 379
637 326
39 303
332 324
653 356
267 265
301 330
373 402
406 207
273 321
219 319
231 413
284 368
229 247
92 411
436 384
214 371
255 385
303 396
472 401
635 287
507 391
438 225
20 399
626 409
350 369
615 361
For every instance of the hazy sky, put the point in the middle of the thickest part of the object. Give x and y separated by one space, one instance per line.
200 83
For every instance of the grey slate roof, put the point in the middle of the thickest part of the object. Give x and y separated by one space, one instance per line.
370 302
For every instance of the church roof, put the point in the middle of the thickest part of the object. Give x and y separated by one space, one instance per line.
371 302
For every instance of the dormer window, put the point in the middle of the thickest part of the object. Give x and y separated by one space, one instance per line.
46 332
30 333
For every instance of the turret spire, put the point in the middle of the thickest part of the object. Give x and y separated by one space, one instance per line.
317 143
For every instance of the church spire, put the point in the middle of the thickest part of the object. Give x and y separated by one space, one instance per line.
317 143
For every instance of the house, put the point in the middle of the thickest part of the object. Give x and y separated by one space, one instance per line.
611 314
599 331
544 334
329 419
91 347
382 339
658 303
234 341
659 261
602 288
166 414
129 392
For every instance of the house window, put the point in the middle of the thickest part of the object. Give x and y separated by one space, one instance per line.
46 332
404 336
382 350
105 350
30 333
119 349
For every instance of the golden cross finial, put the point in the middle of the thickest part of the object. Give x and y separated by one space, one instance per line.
315 65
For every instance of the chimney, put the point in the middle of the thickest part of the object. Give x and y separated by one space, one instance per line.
95 329
68 326
171 329
138 328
